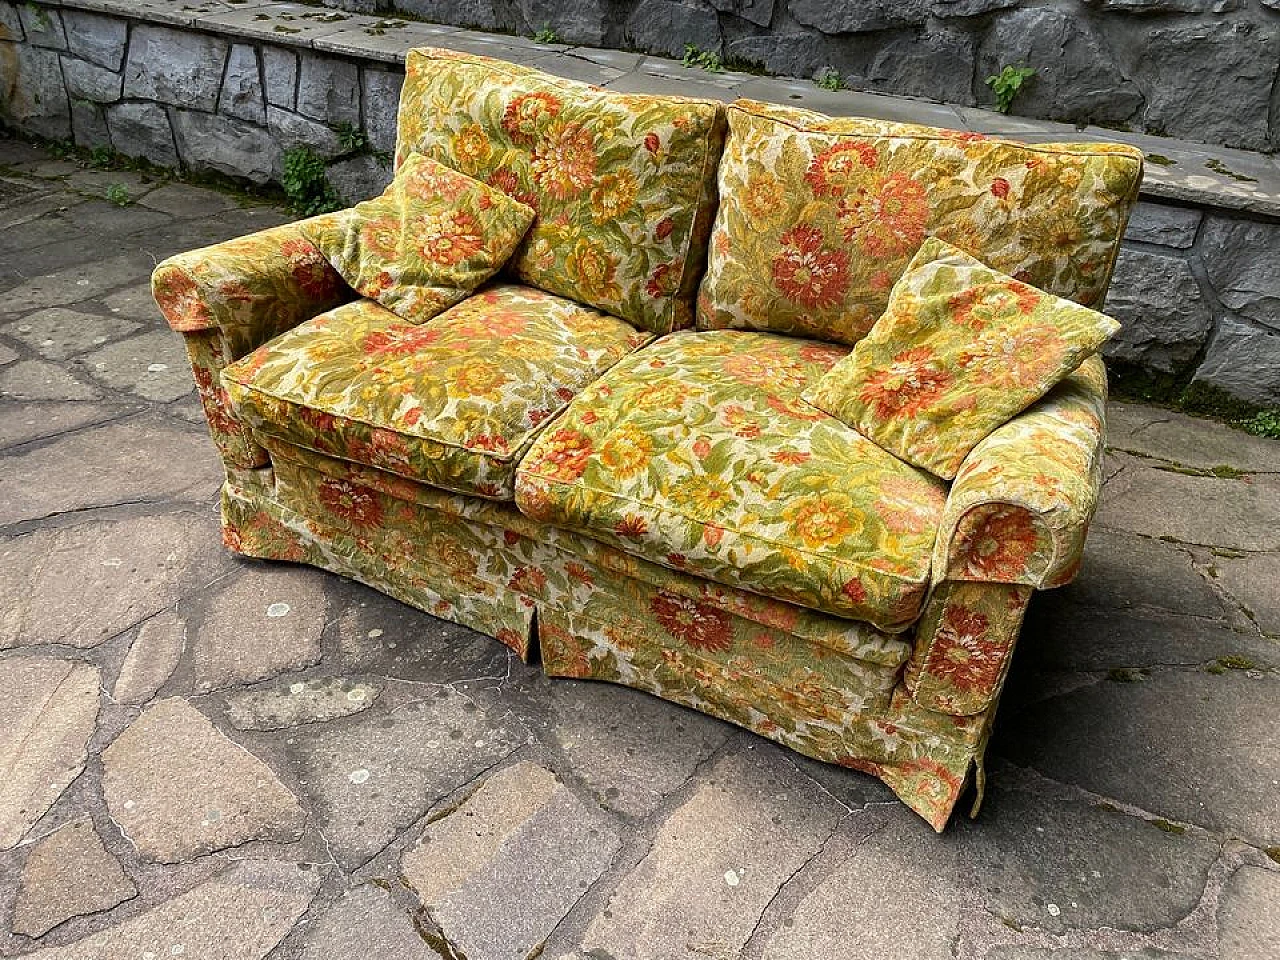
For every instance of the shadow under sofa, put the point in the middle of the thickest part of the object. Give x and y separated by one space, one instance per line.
871 624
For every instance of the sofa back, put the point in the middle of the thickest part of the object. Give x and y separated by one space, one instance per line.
819 216
624 185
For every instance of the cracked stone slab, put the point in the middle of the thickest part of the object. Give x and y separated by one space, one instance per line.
304 701
153 655
139 460
57 333
896 895
717 862
522 827
180 789
84 584
35 420
1190 441
37 380
240 914
1058 864
48 710
183 200
1249 915
68 873
73 284
1255 583
1241 514
135 303
267 621
630 748
1184 744
373 776
366 922
7 354
153 366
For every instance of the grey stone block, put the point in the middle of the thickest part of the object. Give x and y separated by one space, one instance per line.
225 145
142 130
329 90
665 26
280 76
10 22
759 12
291 130
474 14
1164 225
1243 360
241 94
1248 915
43 26
937 64
859 17
1242 259
89 125
787 54
1164 6
1076 77
381 101
87 81
174 66
38 102
359 178
96 38
969 8
1164 319
576 21
1210 82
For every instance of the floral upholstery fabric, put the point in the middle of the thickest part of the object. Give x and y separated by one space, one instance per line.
453 402
960 350
429 240
964 644
1020 507
819 216
623 184
698 453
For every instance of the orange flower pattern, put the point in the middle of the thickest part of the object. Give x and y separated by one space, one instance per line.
960 350
454 402
431 238
696 453
624 184
797 189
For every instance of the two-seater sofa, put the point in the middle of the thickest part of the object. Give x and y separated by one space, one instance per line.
602 455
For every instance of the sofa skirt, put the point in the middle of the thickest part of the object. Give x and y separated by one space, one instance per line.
829 688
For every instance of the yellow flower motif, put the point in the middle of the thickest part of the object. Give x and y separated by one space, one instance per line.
613 196
823 520
564 160
764 198
704 495
627 452
471 147
477 378
593 269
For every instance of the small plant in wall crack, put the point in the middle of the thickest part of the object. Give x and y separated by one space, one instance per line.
351 138
708 60
1008 83
118 194
305 183
546 35
829 78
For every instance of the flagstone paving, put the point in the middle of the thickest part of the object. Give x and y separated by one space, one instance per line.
204 756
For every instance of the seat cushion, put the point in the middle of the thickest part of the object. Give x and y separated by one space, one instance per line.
453 402
819 216
624 184
698 453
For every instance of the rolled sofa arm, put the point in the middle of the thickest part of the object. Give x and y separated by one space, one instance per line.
230 298
1020 506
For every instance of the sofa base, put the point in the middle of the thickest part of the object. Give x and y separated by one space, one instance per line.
829 689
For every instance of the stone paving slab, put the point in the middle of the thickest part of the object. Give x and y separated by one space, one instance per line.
1132 797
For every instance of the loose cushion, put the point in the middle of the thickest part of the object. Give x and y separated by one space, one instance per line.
819 216
431 238
624 185
697 453
960 350
453 402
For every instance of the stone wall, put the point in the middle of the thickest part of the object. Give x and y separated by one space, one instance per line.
1203 70
1197 286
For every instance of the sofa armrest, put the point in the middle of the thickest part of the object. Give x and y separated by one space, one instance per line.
250 289
1020 506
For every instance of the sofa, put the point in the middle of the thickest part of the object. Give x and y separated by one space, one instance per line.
601 457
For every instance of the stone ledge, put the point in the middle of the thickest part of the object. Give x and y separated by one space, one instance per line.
1177 170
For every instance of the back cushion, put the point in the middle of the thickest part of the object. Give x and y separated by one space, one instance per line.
624 185
819 216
